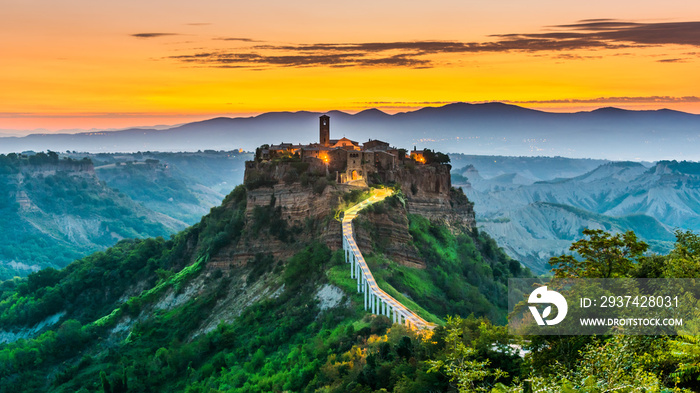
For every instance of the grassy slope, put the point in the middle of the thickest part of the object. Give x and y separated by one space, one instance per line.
466 272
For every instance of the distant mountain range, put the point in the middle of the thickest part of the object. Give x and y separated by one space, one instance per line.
491 128
527 169
538 231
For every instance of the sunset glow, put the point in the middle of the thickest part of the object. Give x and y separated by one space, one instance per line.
89 64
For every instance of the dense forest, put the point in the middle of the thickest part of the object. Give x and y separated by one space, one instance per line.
152 315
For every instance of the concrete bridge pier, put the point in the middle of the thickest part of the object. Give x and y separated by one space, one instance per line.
353 266
351 258
364 289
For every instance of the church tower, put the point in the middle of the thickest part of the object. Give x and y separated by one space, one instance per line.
325 130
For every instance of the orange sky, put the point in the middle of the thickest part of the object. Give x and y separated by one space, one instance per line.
88 64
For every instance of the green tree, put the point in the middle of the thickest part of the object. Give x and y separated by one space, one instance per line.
684 260
686 352
607 366
602 255
459 364
106 386
432 157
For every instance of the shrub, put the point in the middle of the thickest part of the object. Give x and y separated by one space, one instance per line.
257 179
291 176
320 185
307 267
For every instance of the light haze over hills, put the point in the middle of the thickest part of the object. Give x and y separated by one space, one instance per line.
486 129
534 220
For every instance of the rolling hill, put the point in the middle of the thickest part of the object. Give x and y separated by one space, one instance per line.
54 211
537 220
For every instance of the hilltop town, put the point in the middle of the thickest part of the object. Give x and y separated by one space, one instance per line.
303 184
348 161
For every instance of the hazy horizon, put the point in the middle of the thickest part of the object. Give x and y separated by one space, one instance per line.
479 129
198 118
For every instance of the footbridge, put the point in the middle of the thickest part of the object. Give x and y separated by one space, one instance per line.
376 300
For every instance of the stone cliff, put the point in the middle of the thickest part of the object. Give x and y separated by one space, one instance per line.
429 193
388 232
306 200
307 211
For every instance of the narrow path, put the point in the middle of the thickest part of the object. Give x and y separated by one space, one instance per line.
376 300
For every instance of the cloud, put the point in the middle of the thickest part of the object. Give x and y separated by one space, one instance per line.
596 20
609 32
95 115
557 41
507 44
570 56
236 39
338 60
598 100
676 60
152 35
609 100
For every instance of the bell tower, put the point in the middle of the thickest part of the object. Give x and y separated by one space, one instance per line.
325 130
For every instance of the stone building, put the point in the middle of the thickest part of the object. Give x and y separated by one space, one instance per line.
350 161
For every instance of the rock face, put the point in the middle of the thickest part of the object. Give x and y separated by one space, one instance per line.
244 253
297 202
300 206
429 193
388 231
307 201
304 210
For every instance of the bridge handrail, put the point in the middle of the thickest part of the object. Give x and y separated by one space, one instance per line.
372 285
